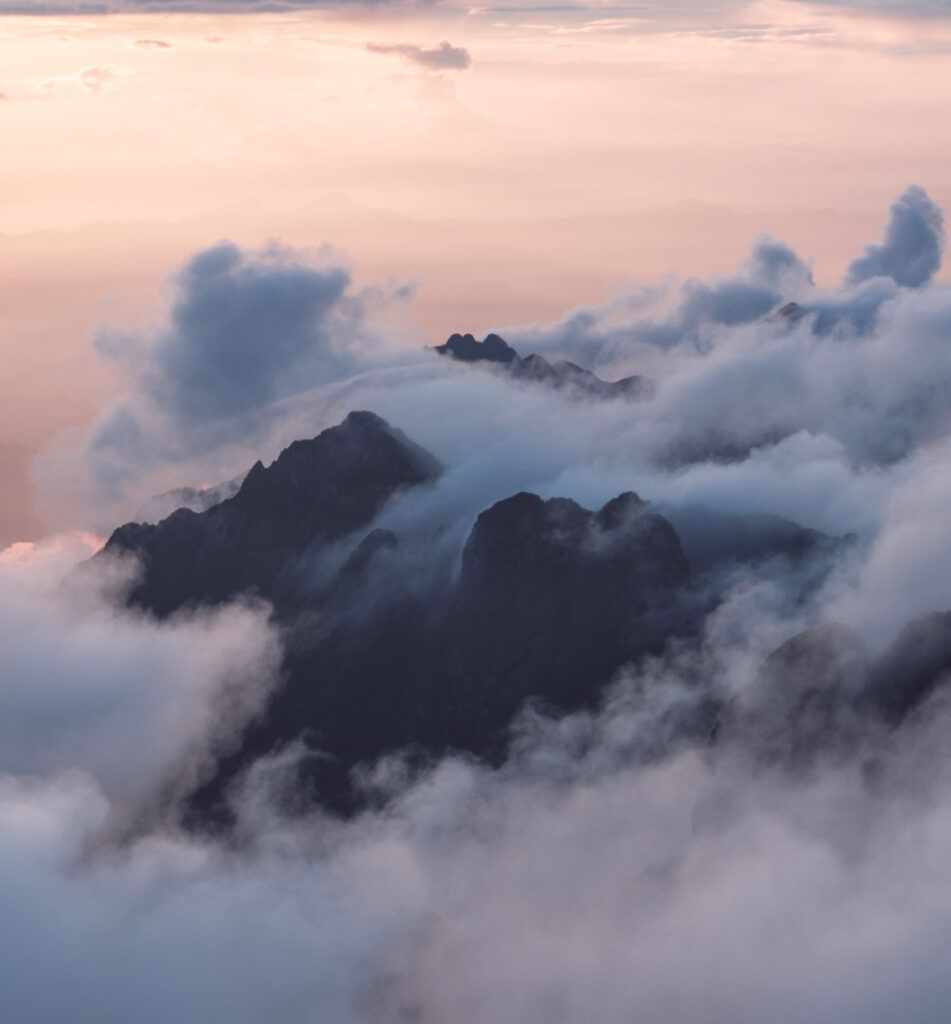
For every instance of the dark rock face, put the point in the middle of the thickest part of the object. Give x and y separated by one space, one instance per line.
715 541
552 600
790 314
382 654
491 349
317 491
536 369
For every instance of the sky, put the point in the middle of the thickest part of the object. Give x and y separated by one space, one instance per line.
508 161
469 167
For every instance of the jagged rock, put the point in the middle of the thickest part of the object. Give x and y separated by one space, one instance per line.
550 601
491 349
790 314
316 492
535 368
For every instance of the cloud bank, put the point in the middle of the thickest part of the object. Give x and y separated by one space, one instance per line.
244 330
443 57
914 242
584 878
613 868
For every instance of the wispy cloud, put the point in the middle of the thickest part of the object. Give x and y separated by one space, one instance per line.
443 57
91 81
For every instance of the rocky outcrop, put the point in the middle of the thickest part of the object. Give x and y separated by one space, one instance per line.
383 653
316 492
563 375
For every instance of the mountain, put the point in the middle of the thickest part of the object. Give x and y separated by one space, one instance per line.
536 369
823 692
317 492
716 541
551 599
390 647
383 653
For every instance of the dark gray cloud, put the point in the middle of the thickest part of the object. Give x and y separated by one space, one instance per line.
901 8
771 272
909 257
443 57
244 330
65 7
913 245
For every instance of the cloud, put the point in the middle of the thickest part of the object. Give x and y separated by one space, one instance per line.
152 44
613 868
664 318
88 687
244 330
261 348
914 242
741 362
443 57
585 879
900 8
91 81
79 7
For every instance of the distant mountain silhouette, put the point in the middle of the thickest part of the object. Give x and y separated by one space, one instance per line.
535 368
822 692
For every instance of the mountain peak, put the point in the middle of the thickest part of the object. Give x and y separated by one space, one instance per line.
316 491
492 349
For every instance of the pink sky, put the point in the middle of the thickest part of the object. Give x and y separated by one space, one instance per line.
562 152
